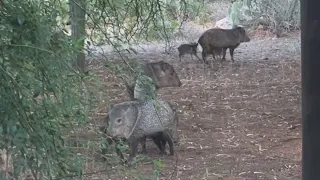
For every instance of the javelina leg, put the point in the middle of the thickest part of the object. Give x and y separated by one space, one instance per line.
213 55
143 145
133 153
119 153
109 142
224 52
204 55
191 57
117 142
163 144
197 57
231 53
180 57
170 142
158 141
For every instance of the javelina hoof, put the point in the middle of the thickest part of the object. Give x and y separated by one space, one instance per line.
171 151
129 163
163 153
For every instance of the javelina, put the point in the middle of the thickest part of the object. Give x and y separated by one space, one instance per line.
134 120
188 49
221 39
152 76
158 138
162 75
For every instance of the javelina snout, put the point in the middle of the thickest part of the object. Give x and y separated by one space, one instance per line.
165 75
188 49
246 38
242 34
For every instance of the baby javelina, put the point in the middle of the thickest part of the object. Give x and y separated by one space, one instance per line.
134 120
188 49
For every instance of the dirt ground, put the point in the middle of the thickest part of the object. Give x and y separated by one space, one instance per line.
238 121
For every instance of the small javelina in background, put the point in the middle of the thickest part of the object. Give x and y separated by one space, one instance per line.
188 49
217 40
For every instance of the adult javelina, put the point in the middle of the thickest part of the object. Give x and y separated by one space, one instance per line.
221 39
188 49
161 73
160 139
134 120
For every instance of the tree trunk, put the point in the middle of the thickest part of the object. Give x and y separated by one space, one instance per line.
78 21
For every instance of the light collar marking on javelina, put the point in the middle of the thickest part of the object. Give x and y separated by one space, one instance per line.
135 124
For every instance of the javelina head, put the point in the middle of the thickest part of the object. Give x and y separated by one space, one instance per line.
194 46
242 34
164 75
122 117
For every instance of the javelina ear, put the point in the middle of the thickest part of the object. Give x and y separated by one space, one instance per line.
111 106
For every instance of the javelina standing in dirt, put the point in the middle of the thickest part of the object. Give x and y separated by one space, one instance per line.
153 75
221 39
160 139
134 120
188 49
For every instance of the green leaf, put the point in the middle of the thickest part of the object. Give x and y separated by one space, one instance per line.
158 164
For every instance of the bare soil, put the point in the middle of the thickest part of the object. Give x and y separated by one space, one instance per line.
238 120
